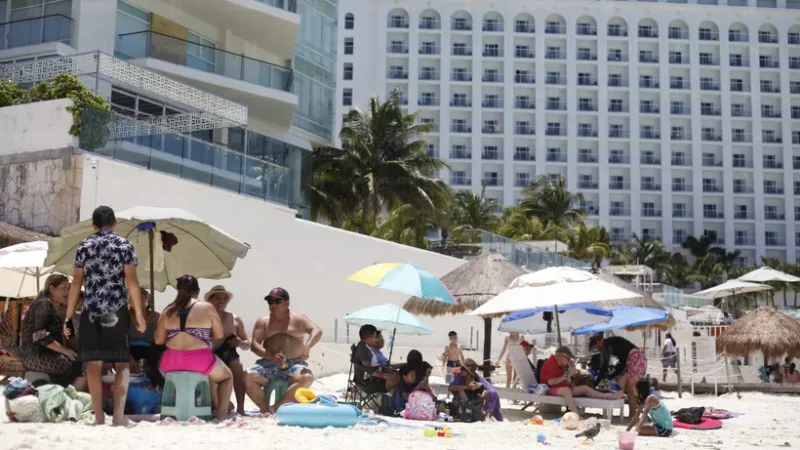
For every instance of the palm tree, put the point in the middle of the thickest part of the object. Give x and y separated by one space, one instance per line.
727 259
551 202
706 271
587 243
699 248
474 210
677 271
515 224
382 164
644 250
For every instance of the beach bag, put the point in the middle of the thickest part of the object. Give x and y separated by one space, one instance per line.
386 406
420 406
690 415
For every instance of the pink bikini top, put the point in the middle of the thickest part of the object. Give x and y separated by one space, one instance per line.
203 334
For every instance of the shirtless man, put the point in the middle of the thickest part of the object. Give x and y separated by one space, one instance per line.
278 340
235 338
453 355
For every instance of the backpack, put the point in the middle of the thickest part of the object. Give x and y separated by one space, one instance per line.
420 406
690 415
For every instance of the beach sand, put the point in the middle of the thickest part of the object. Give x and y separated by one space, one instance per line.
769 422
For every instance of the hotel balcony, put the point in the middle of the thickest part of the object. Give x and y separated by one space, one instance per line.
270 24
41 35
264 87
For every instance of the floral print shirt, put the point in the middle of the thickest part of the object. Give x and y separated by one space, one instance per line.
103 257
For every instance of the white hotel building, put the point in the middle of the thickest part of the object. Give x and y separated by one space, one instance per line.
672 119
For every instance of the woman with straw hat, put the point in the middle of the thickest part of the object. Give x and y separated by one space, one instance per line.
235 339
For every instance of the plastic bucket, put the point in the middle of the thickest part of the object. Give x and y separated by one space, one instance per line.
626 439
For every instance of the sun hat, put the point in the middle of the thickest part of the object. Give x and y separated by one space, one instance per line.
218 289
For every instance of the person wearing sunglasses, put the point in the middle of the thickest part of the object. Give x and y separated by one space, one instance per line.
283 340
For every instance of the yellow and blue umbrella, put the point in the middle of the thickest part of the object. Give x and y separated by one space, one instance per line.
406 279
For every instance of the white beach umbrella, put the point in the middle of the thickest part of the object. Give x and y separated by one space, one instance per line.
764 274
551 287
732 288
169 242
22 269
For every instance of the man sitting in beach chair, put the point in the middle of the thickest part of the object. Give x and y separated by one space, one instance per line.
559 380
371 361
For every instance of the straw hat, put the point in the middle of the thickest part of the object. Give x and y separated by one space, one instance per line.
218 289
470 366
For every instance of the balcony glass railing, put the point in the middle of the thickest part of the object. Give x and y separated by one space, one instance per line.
288 5
519 253
149 44
186 157
21 33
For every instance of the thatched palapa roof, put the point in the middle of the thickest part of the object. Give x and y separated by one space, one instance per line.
763 330
472 284
17 235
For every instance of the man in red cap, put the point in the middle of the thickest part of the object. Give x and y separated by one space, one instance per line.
280 340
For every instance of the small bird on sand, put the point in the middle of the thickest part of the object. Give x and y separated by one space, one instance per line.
590 433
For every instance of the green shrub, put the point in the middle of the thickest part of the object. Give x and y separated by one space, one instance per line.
89 108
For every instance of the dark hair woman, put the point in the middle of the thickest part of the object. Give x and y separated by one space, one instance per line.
43 347
143 345
631 367
187 327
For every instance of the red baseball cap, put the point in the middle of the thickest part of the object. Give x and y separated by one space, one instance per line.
278 293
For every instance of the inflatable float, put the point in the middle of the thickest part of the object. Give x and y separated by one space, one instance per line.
324 413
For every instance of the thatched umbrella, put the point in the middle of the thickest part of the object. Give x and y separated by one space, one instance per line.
765 330
10 235
472 284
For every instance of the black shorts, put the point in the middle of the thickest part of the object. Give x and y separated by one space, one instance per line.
104 337
662 432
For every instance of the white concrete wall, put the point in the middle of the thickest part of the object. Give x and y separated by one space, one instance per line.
35 127
310 260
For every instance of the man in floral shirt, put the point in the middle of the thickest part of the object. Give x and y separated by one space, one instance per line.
105 264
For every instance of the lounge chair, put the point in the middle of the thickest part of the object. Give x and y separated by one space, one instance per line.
527 378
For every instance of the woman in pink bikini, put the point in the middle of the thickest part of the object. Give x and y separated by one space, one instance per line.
187 327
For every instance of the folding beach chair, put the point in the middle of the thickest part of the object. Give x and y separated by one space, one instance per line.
363 392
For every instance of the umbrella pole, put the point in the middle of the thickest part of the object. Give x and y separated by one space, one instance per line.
151 305
391 345
487 347
558 325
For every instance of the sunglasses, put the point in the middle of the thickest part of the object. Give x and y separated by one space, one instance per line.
274 301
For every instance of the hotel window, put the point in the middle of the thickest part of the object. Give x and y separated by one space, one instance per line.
201 53
348 71
348 46
349 21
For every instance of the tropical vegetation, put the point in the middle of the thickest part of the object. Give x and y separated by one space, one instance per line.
383 182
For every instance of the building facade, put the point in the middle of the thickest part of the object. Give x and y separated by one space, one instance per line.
672 119
228 93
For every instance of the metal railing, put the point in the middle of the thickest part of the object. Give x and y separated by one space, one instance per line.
21 33
521 254
185 157
149 44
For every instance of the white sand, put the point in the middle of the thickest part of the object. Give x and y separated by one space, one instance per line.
769 422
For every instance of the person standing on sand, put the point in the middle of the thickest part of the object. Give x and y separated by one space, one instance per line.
669 355
278 340
453 354
235 338
632 364
105 264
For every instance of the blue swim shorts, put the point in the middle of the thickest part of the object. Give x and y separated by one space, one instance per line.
274 372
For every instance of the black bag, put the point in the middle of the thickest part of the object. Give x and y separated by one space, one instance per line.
467 411
690 415
386 405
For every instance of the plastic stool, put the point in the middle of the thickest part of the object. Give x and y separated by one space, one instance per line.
278 387
178 400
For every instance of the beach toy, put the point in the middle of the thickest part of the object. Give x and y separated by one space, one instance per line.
538 420
570 421
186 394
626 439
318 415
304 395
429 432
542 439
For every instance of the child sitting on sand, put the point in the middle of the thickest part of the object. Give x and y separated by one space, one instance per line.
654 388
650 405
412 377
